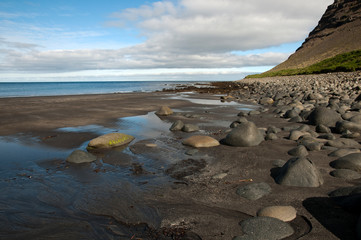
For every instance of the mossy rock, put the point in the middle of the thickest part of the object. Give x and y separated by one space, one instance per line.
110 140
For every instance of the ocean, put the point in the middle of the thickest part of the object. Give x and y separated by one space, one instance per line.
30 89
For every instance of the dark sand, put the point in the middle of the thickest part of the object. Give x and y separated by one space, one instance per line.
90 202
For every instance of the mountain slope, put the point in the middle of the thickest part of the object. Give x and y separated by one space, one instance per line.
338 31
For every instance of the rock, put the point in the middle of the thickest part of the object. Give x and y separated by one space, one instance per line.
110 140
273 129
177 126
345 191
342 126
271 136
266 228
356 118
351 161
324 116
254 191
200 141
296 119
343 152
299 172
299 151
254 112
283 213
164 111
190 128
245 135
79 156
295 134
322 129
310 143
266 101
291 114
278 163
343 143
327 136
345 174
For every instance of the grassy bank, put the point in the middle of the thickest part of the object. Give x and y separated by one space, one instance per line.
346 62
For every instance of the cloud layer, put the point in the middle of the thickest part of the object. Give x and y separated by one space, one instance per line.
182 34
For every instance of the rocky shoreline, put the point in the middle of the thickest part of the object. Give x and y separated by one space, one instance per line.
287 166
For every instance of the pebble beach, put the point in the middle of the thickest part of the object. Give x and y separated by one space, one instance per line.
273 158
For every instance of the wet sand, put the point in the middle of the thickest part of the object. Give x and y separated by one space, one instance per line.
128 193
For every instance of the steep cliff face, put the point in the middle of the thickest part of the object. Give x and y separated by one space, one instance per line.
338 31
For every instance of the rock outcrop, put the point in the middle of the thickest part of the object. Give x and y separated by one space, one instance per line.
337 32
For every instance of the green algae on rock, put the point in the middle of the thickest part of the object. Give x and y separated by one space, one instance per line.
110 140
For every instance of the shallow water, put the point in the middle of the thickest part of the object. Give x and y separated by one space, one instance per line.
41 193
43 196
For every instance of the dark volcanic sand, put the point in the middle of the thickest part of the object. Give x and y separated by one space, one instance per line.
128 193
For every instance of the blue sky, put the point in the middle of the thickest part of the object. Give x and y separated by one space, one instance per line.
42 40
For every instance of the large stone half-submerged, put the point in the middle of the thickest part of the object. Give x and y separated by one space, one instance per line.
110 140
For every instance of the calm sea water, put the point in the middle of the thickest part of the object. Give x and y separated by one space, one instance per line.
21 89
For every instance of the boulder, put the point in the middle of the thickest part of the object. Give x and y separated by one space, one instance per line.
254 191
324 116
190 128
345 174
299 151
299 172
110 140
296 134
266 228
343 143
342 126
177 126
283 213
343 152
351 161
164 111
245 135
200 141
79 156
322 129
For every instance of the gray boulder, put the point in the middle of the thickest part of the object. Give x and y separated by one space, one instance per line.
343 143
322 129
299 172
342 126
245 135
299 151
324 116
343 152
351 161
345 174
79 156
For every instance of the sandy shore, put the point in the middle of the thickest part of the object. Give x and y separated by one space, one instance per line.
199 202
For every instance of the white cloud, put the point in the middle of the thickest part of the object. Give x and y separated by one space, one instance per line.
179 34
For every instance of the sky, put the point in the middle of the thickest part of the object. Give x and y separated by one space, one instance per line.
86 40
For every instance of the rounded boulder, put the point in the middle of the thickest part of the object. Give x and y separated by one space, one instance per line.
200 141
244 135
110 140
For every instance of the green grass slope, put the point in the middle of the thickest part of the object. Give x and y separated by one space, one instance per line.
346 62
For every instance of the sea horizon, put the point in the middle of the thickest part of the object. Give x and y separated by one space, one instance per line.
39 89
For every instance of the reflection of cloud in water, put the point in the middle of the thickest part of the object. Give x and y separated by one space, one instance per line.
214 102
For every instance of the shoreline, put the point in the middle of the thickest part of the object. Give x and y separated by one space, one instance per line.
174 188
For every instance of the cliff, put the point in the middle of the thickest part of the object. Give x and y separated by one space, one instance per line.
338 31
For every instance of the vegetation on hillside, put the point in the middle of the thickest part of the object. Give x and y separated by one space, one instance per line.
346 62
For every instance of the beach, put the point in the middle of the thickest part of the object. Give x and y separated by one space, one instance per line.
157 187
